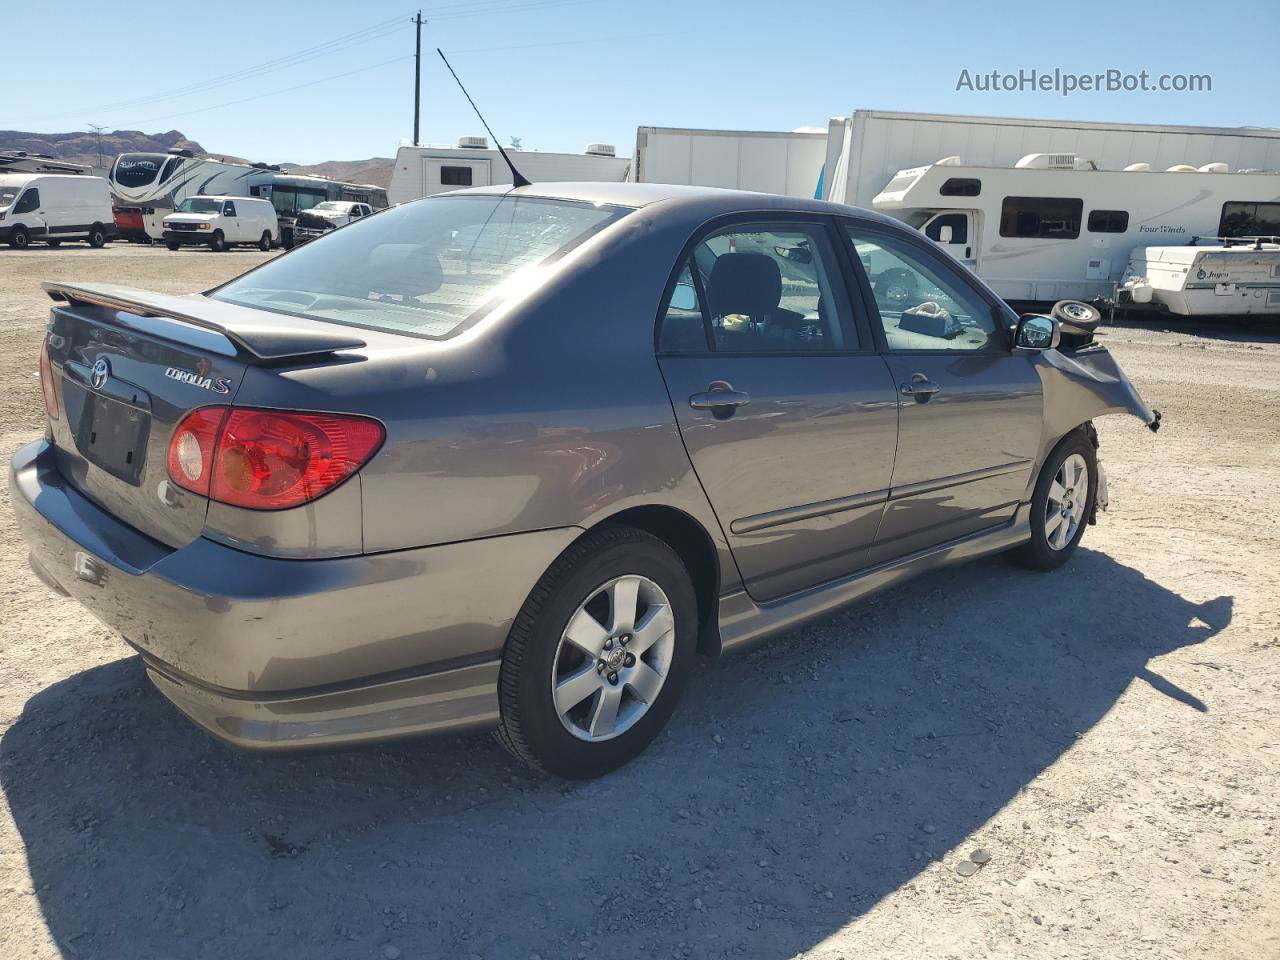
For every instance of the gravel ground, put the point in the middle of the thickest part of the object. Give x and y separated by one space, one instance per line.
1107 734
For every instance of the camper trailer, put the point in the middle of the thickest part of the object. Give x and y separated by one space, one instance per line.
1056 227
425 171
764 161
1223 277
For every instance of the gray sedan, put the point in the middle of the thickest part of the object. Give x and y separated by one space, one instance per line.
513 458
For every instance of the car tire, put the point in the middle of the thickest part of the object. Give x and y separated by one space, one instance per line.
615 566
218 242
1058 514
97 237
19 239
264 242
53 244
171 245
897 286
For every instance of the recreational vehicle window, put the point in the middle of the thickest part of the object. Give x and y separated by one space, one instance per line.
1249 219
1047 218
961 187
1108 221
455 176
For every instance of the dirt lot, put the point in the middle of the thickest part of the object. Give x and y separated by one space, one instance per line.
1109 734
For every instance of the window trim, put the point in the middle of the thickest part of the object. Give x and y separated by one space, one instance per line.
860 324
1019 236
944 266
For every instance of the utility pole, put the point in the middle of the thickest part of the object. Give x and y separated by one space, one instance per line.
96 128
417 76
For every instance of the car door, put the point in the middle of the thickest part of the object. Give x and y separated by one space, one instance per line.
231 227
955 232
28 212
788 414
970 407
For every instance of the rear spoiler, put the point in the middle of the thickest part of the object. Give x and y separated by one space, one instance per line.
262 336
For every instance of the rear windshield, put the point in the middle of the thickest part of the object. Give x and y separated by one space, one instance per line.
425 268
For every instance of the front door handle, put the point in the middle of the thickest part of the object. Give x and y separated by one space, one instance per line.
920 387
720 398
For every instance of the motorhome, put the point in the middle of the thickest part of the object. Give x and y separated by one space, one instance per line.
147 186
1054 226
1225 277
425 171
788 163
291 194
53 208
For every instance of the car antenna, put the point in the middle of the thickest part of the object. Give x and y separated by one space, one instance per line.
517 178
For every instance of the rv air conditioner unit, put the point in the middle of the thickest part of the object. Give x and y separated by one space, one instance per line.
179 152
473 143
1181 168
1047 161
601 150
1138 168
1215 168
948 162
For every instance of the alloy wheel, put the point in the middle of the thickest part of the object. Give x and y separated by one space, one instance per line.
613 658
1068 497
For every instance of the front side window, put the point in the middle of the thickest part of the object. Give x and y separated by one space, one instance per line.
28 202
425 268
1045 218
228 209
923 306
1108 221
455 176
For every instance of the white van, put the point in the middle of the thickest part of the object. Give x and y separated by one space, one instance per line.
222 222
53 208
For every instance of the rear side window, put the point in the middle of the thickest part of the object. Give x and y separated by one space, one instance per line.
425 268
28 202
683 328
1108 221
455 176
1046 218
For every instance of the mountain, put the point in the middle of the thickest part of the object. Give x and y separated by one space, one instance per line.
82 147
375 170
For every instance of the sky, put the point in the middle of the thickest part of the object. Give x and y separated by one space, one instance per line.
329 80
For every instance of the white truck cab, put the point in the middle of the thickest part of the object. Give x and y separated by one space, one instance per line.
327 216
51 208
221 223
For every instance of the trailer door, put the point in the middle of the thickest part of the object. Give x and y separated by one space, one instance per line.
440 174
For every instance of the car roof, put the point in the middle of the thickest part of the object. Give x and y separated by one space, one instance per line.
715 199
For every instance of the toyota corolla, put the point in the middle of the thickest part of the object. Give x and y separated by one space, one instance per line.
513 458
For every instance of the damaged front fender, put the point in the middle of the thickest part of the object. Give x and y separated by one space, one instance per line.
1081 385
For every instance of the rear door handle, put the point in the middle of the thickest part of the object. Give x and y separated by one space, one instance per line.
719 395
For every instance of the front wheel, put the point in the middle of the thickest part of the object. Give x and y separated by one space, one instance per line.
218 242
599 655
19 239
171 245
1062 503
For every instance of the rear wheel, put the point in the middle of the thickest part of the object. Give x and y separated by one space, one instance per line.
218 242
264 242
19 239
599 655
97 236
1062 503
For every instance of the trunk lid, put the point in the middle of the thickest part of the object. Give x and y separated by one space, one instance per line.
129 365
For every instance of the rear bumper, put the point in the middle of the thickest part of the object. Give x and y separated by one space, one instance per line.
271 653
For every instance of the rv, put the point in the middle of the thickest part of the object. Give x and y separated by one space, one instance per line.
1226 277
1055 227
146 186
291 194
424 171
763 161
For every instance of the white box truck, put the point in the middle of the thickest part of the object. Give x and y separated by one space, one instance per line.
787 163
51 208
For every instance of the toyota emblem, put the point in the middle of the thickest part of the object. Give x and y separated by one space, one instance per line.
101 370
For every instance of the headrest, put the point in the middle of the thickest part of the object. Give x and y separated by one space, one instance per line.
749 283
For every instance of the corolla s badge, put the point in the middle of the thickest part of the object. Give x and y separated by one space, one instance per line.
98 375
216 384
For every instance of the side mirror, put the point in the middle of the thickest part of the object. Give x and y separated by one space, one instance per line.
945 234
684 297
1036 332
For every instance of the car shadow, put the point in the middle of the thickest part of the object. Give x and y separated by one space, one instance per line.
1255 329
799 784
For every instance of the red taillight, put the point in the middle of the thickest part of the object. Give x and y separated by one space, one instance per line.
268 459
46 381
